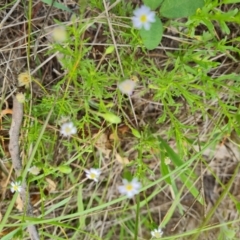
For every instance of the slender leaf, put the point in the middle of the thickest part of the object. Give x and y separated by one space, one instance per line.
184 176
57 205
230 1
57 5
80 204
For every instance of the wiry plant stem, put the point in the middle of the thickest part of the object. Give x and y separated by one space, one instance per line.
135 118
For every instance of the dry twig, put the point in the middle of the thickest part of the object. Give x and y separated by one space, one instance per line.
17 116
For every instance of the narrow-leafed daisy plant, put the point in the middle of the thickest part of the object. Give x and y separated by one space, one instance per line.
16 187
24 79
157 233
127 87
59 34
68 129
143 17
34 170
93 174
130 188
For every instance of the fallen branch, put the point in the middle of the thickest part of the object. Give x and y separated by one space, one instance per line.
17 116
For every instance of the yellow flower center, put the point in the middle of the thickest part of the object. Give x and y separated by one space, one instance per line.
127 87
167 160
67 129
143 18
25 80
157 235
129 187
92 175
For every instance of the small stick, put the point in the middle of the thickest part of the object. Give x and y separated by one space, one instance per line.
17 116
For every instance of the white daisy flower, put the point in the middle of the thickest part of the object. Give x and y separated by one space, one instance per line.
130 188
143 17
20 97
34 170
157 233
67 129
93 174
24 79
59 34
167 160
16 187
127 86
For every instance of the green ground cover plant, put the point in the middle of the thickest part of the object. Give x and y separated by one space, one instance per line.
127 108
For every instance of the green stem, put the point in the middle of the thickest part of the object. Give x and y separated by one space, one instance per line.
137 218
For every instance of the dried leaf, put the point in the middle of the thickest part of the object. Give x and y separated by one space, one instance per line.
51 187
19 203
101 140
102 144
113 136
122 130
121 160
35 198
5 112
